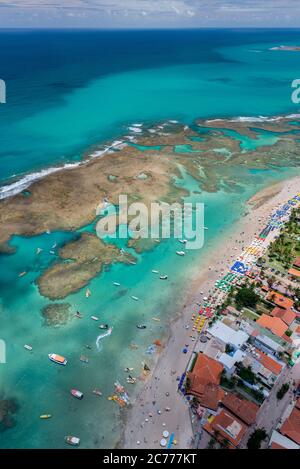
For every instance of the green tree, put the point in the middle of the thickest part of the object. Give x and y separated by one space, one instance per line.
256 438
246 297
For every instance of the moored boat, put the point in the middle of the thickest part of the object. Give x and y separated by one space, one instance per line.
57 359
28 347
72 440
45 416
97 392
163 277
77 394
135 298
180 253
94 318
141 326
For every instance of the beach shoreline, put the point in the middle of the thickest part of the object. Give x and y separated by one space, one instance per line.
147 419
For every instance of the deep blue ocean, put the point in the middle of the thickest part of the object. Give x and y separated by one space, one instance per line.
69 89
66 92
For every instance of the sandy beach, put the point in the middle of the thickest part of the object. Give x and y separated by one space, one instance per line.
147 418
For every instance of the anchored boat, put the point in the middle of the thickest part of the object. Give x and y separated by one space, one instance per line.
57 359
180 253
72 440
77 394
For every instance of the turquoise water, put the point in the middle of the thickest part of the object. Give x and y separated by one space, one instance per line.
77 105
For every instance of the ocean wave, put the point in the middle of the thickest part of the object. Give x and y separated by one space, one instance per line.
25 182
256 118
264 118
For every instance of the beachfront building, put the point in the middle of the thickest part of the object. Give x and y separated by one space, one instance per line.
246 410
227 335
226 428
204 382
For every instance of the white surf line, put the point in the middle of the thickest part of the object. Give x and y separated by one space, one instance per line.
25 182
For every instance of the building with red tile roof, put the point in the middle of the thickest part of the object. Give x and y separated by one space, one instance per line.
287 315
280 300
242 408
268 362
275 325
291 426
296 262
204 381
294 272
226 427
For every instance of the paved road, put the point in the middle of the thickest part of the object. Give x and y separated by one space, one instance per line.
272 409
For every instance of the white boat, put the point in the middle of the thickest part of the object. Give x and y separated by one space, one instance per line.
57 359
155 271
76 393
183 241
94 318
180 253
28 347
88 293
135 298
163 277
117 284
38 251
72 440
52 252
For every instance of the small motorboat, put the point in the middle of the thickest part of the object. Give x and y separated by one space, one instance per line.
88 293
141 326
156 319
180 253
84 359
38 251
117 284
97 392
22 274
128 370
57 359
94 318
135 298
78 315
103 326
52 252
45 416
163 277
28 347
131 380
155 271
183 241
72 440
77 394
